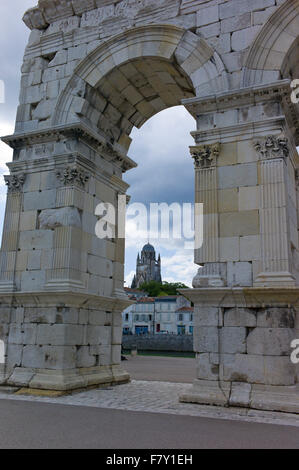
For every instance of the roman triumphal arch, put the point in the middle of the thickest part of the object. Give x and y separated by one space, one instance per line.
94 69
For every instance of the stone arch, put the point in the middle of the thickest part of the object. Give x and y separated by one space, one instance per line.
265 62
172 64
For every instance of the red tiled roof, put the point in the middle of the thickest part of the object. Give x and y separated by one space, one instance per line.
185 309
146 300
170 297
128 289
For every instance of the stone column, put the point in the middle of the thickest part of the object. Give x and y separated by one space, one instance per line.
205 163
11 228
244 326
275 248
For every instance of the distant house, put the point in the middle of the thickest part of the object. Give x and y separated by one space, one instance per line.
185 320
159 315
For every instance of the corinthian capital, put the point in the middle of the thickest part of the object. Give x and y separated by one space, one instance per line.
72 176
272 147
205 156
14 183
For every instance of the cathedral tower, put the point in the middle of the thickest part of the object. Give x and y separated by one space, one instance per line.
147 267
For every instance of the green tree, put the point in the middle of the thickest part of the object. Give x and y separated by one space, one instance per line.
157 289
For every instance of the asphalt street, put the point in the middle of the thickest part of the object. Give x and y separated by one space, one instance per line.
161 368
35 425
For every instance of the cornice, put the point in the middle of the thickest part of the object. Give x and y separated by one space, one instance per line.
55 162
236 98
64 298
112 152
245 130
255 297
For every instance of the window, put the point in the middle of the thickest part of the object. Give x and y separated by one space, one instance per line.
191 330
181 317
191 316
127 317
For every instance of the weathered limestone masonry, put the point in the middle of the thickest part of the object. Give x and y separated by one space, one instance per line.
93 70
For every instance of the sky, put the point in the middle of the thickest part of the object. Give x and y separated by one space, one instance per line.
165 171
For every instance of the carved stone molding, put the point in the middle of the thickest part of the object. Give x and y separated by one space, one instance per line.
72 176
15 183
272 147
205 156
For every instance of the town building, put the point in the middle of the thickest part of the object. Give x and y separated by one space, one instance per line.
159 315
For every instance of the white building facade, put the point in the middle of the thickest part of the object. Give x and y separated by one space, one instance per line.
160 315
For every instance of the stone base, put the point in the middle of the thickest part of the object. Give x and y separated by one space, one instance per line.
279 279
244 395
63 380
207 392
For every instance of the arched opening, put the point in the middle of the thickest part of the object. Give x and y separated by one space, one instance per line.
114 95
163 321
86 131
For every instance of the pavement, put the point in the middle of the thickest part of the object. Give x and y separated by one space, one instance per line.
141 414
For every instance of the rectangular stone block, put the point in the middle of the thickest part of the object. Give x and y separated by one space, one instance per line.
276 318
234 176
234 224
33 280
208 15
205 370
37 239
233 340
84 358
249 198
229 249
228 200
28 220
49 357
40 315
268 370
245 148
250 248
97 317
22 334
36 200
270 341
68 335
239 317
239 274
206 339
206 316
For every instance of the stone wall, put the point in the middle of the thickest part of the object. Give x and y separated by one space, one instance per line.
245 345
58 345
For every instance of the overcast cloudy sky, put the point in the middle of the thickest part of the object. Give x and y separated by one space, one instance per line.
165 170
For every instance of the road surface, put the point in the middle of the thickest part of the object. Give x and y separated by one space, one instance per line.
159 368
36 425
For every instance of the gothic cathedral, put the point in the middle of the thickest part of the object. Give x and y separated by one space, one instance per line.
147 267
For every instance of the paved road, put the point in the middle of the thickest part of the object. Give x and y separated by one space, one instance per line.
158 368
42 425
